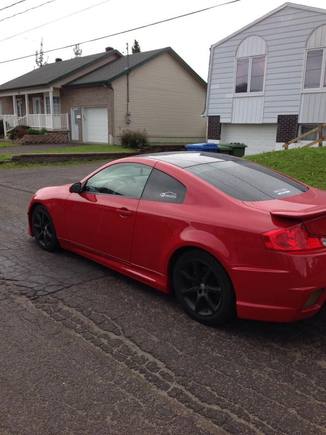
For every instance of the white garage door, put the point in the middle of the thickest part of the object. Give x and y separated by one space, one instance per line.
258 137
95 125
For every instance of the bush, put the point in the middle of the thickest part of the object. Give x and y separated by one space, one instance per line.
18 132
36 131
134 139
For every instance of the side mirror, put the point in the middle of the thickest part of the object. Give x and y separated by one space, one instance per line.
76 188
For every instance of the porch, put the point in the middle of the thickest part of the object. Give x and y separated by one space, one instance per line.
36 110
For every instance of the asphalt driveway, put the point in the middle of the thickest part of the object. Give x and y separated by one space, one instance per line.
84 350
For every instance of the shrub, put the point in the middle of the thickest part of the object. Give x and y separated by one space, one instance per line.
134 139
18 132
36 131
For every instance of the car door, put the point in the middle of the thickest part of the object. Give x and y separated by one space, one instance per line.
159 220
117 190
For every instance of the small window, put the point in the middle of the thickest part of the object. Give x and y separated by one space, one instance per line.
125 179
257 74
313 69
163 188
242 75
247 181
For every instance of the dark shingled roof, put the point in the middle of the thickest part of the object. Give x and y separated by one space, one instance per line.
51 72
108 73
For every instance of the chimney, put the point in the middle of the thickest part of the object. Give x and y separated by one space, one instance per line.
108 49
58 59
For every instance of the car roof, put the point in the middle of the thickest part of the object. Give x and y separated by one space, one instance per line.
186 159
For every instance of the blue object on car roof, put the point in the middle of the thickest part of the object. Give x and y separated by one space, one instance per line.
210 147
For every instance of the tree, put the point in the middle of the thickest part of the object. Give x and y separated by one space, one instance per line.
136 47
77 50
39 56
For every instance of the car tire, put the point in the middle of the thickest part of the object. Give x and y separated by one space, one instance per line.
43 229
203 288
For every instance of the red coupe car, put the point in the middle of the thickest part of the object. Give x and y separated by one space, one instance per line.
225 235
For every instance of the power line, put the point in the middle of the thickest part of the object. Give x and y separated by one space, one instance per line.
54 21
27 10
144 26
12 5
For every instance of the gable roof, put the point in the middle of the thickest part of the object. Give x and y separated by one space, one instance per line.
272 12
107 73
52 72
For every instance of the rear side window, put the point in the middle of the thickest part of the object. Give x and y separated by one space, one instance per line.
163 188
247 181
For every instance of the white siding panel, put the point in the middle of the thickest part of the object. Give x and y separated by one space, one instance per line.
318 38
313 108
252 46
286 34
248 110
258 138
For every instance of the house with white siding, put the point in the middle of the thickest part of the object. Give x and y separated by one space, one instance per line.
267 81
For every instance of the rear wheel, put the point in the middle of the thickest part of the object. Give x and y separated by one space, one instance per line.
43 229
203 288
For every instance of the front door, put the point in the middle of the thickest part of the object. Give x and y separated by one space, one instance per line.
76 120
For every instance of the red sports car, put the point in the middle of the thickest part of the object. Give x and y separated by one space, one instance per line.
225 235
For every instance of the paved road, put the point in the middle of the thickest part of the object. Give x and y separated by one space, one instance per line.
84 350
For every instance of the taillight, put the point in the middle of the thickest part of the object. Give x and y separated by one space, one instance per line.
295 238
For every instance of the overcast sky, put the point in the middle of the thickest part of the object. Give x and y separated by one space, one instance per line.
190 37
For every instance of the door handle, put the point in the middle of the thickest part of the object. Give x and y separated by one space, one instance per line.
124 212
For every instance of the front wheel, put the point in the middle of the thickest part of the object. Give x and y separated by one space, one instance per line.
43 229
203 288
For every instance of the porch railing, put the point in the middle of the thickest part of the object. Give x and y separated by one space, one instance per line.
319 130
58 121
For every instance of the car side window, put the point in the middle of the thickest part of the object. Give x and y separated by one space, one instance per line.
125 179
164 188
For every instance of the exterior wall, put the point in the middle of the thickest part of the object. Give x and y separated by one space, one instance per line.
258 138
286 34
94 96
6 106
165 100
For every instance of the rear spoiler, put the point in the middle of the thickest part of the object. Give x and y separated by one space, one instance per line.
299 214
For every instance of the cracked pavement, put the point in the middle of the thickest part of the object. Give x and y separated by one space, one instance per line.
84 350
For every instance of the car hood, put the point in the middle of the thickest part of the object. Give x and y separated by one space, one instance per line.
52 192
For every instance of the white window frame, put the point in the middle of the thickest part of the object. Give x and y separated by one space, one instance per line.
248 93
321 88
56 105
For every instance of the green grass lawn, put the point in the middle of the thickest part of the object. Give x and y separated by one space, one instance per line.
306 164
86 149
7 143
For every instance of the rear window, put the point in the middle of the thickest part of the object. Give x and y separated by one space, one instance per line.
247 181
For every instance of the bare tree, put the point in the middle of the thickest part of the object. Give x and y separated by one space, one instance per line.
39 56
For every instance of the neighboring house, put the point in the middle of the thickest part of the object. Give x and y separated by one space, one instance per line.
96 97
267 81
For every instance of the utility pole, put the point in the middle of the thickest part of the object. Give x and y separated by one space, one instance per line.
128 120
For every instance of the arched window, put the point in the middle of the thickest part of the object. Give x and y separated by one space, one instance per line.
250 70
315 76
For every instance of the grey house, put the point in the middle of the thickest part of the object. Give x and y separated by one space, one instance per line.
267 81
95 98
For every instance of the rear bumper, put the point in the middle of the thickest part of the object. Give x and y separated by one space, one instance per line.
281 295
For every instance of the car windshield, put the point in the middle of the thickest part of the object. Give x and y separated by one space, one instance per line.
247 181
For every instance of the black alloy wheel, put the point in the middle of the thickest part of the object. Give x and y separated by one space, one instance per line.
203 288
43 229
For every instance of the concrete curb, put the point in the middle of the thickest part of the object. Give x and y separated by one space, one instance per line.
63 157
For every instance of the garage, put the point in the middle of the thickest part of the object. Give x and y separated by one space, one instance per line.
258 137
95 125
